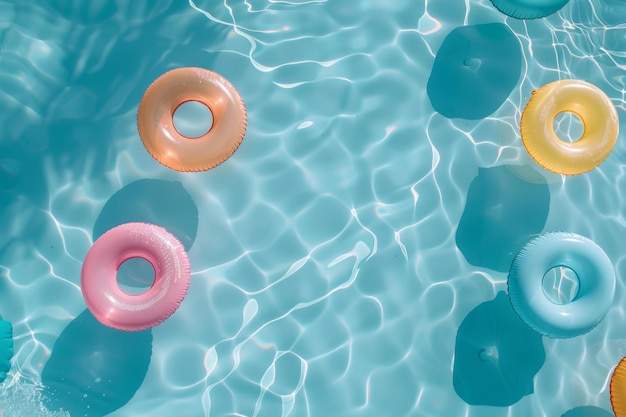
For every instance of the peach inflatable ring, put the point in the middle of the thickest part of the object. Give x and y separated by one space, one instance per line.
176 151
618 389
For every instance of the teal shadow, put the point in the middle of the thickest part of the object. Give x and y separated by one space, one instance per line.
587 411
93 369
501 214
164 203
474 71
496 355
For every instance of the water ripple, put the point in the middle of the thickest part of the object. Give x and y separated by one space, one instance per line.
326 277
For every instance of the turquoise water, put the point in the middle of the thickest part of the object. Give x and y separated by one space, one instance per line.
337 254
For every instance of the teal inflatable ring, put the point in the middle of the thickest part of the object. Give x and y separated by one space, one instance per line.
6 349
529 9
596 289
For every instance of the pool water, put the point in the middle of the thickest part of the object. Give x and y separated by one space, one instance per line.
351 258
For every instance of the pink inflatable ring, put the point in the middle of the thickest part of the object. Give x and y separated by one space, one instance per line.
133 312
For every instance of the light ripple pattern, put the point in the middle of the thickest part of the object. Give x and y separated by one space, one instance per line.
326 278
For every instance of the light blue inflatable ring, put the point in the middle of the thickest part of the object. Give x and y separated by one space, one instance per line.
529 9
596 288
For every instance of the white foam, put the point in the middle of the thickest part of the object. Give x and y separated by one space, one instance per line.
22 398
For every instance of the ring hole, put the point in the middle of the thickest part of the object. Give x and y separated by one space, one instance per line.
135 276
560 285
568 127
192 119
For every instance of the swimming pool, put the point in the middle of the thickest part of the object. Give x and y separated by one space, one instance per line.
352 250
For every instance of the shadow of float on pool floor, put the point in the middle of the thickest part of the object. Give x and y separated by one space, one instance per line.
502 213
93 369
587 411
475 70
496 355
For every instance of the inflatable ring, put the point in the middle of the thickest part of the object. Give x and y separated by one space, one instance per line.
529 9
618 389
6 348
596 284
156 126
133 312
593 108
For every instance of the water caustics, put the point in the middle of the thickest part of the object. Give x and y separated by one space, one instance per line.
332 266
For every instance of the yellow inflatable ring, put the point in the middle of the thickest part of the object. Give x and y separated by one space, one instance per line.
590 105
618 389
